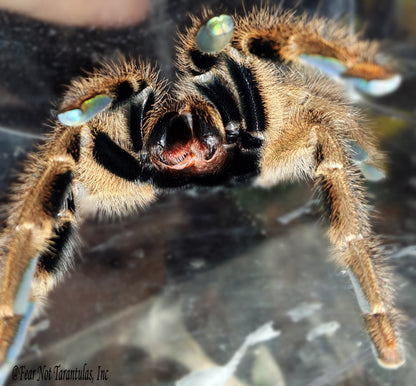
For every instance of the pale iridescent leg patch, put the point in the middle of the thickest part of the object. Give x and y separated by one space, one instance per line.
88 110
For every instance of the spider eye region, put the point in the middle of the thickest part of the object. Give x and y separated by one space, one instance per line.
215 34
87 111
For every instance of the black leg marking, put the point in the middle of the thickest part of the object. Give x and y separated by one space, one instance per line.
125 90
55 200
135 126
244 166
204 62
56 258
150 101
265 48
138 111
248 142
113 158
319 155
324 190
252 106
69 203
74 147
220 96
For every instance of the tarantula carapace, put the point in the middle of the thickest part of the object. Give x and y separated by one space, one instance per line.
256 101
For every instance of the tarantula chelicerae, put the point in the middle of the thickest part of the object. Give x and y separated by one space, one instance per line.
245 108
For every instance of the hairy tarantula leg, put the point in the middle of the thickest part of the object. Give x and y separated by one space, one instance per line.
29 229
247 103
281 36
26 236
17 326
312 137
357 249
113 156
42 272
247 87
92 163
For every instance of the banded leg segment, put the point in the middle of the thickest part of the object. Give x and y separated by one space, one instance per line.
30 225
113 154
324 156
357 249
94 156
40 201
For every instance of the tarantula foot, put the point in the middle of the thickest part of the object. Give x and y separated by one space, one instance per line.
387 346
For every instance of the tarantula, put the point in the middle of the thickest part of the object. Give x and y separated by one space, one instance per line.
245 109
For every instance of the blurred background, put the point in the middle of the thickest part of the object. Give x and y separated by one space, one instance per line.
179 287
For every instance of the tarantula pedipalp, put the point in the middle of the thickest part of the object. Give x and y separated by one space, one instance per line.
243 110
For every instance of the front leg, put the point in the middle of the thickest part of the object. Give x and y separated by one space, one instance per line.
357 249
36 241
93 161
315 141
